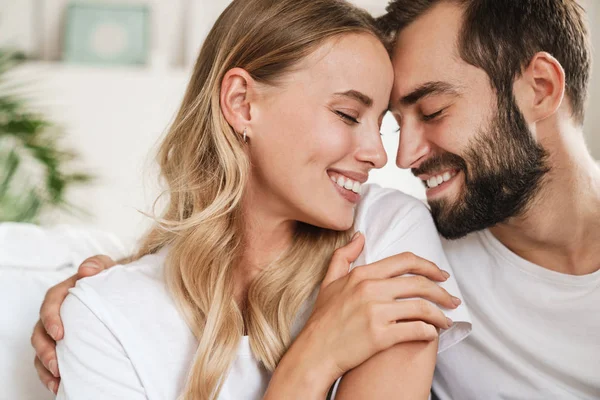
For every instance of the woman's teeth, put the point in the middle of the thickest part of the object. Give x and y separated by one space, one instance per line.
347 183
437 180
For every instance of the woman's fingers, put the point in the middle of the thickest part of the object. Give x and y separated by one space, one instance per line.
415 310
401 264
413 331
46 377
343 258
417 286
406 287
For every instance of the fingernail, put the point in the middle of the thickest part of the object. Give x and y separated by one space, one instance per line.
91 264
52 386
457 302
450 322
53 368
356 235
446 274
53 332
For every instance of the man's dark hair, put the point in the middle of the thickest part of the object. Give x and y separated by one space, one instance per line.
502 36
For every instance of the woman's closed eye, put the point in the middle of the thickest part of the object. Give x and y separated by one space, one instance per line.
347 118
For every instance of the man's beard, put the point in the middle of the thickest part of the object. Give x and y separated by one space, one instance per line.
503 169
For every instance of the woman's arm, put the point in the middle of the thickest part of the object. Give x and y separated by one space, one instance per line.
93 363
355 318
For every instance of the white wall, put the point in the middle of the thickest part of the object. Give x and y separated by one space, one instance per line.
178 26
114 117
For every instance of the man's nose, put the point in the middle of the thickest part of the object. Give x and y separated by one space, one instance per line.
413 148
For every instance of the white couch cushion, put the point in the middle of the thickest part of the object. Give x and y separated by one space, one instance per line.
32 259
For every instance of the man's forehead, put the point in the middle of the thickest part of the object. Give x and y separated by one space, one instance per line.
426 50
416 70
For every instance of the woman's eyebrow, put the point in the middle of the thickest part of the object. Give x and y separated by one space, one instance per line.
356 95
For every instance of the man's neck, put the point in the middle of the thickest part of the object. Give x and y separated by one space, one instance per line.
560 230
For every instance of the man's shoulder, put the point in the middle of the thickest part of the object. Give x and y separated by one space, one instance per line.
389 217
473 242
472 255
384 204
373 193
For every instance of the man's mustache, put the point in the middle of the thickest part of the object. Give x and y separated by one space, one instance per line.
440 162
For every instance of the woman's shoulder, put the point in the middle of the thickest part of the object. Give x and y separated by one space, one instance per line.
136 291
141 278
124 320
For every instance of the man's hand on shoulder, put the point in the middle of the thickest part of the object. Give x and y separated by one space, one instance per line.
49 328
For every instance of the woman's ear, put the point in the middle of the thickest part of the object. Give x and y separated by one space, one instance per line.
236 95
544 80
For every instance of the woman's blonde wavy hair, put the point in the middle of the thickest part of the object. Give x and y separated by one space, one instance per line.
205 166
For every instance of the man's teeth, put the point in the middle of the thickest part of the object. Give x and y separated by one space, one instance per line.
347 184
437 180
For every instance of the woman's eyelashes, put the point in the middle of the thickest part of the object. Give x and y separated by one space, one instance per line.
346 118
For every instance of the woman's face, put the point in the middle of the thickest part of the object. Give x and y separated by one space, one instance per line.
316 135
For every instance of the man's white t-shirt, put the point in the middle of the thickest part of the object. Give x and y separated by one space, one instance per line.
536 332
125 339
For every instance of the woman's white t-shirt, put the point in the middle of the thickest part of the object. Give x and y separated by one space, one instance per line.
125 339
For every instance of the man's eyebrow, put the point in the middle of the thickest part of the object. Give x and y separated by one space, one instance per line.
429 89
356 95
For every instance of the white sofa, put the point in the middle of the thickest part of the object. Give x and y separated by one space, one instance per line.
32 259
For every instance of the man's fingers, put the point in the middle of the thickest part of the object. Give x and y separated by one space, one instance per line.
343 258
45 349
46 377
50 310
94 265
402 264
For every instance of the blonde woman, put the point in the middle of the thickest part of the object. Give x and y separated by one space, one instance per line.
234 293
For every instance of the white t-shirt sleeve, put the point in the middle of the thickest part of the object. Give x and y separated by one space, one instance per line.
423 240
395 223
92 362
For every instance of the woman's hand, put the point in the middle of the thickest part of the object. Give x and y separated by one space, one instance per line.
49 329
358 315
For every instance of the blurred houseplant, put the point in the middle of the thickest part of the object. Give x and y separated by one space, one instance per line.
33 175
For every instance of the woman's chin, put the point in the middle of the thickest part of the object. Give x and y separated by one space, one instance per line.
343 223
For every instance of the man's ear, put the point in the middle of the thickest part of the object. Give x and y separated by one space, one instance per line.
237 89
541 87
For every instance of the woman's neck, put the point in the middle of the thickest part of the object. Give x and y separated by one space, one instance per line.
266 238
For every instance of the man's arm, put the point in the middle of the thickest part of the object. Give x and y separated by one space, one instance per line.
404 371
49 327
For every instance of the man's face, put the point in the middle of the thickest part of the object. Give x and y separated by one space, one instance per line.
472 149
